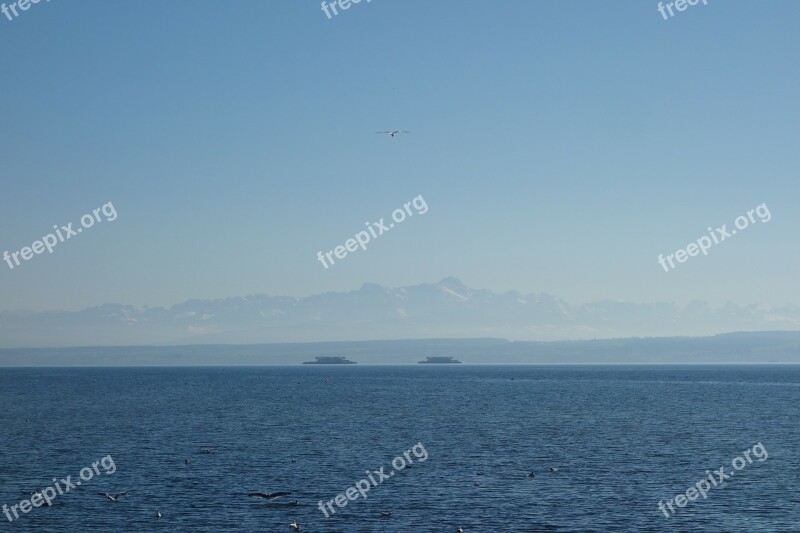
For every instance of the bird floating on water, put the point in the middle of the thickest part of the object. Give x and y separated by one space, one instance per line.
393 133
553 469
386 514
532 474
37 493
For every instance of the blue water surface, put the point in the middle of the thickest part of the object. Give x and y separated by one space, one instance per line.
622 437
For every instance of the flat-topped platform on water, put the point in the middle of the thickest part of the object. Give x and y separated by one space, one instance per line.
439 361
326 360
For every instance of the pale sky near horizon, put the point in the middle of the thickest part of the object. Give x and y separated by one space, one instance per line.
560 148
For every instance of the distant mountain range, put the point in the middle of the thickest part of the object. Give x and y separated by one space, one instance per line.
447 309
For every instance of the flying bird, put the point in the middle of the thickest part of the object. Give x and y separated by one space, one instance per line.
293 525
268 495
553 469
393 133
114 497
158 515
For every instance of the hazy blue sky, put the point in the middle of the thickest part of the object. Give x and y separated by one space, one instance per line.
560 146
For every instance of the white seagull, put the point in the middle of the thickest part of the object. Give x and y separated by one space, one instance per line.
393 132
38 494
293 525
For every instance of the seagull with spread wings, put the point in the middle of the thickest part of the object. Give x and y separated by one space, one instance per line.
393 133
268 495
113 497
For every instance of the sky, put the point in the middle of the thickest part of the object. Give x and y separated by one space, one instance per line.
560 147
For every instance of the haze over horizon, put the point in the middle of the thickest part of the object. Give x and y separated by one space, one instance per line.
446 309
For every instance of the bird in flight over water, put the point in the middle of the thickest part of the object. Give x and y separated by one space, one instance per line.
393 133
268 496
113 497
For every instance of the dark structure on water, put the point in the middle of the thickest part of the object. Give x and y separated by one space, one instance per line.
439 361
330 361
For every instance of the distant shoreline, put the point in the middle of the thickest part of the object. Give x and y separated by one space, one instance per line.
404 365
744 348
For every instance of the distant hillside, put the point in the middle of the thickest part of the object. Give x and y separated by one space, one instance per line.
760 347
446 309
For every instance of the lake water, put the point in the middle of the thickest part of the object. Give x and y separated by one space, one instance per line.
623 439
